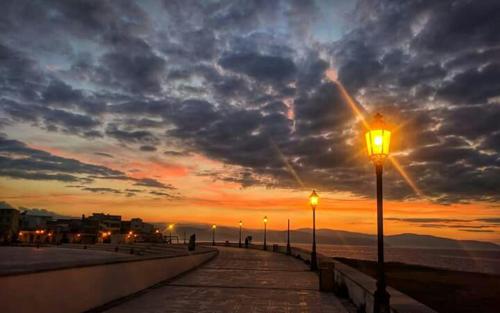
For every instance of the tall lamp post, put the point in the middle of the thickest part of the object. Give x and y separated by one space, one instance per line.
239 242
288 247
313 200
213 234
265 232
378 139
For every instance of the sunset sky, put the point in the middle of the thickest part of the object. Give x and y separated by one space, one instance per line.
220 111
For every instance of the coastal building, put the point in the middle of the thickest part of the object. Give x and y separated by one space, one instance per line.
137 230
33 222
107 222
137 225
65 230
9 224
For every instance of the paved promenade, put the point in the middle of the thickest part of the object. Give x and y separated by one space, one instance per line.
238 280
29 259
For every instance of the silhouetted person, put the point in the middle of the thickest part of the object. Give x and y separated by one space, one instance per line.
246 242
192 242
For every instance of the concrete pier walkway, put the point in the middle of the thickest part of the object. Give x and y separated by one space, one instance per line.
238 280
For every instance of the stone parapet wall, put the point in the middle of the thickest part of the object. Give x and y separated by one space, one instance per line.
75 290
348 282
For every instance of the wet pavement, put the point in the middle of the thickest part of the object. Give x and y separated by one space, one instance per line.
238 280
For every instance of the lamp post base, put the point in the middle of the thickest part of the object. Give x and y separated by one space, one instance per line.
288 250
381 301
314 261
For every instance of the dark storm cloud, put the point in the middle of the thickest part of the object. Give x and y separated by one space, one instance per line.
245 178
137 136
52 119
478 230
18 158
19 161
59 94
492 220
104 154
148 148
149 182
102 190
472 86
403 56
19 73
81 18
141 73
176 153
244 82
457 25
472 122
71 122
165 195
261 67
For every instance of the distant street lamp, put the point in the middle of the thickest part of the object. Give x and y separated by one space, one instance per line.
313 200
288 247
239 243
213 234
265 232
378 139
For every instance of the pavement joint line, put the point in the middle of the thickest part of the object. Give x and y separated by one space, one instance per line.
255 270
241 287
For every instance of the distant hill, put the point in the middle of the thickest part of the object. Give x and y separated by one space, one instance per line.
330 236
427 241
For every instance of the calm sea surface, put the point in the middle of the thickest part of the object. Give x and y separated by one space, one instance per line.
461 260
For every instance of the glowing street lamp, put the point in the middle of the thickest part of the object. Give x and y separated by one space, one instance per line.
265 232
313 200
378 140
170 228
213 234
239 243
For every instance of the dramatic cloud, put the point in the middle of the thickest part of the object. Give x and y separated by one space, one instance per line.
245 83
19 161
148 182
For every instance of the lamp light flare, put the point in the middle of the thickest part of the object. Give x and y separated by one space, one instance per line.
347 98
407 178
357 112
287 164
